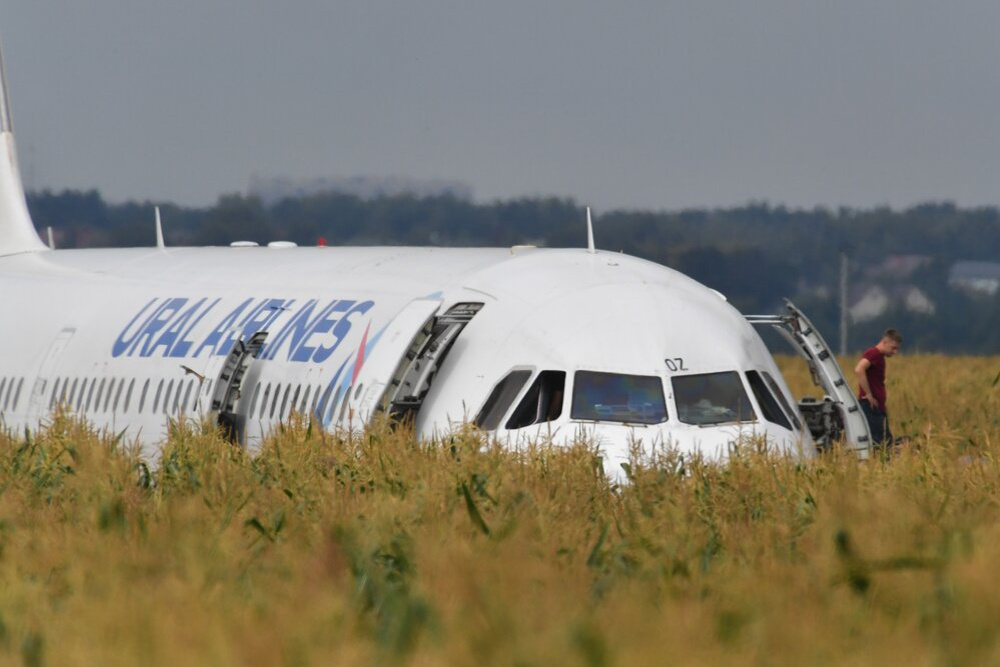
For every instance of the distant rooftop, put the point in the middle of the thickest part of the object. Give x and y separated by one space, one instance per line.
975 270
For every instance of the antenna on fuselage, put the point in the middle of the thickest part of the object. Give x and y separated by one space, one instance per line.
159 231
590 234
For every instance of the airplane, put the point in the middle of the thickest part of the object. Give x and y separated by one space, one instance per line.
555 345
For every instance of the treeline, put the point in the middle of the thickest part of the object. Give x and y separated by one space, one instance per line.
756 254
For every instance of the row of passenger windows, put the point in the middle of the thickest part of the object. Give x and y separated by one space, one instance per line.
97 395
700 399
94 395
10 393
111 395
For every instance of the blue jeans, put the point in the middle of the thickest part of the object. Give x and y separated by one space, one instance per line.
878 424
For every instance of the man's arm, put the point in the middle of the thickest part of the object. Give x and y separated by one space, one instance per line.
860 372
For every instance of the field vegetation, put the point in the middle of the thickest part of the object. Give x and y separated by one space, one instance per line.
376 549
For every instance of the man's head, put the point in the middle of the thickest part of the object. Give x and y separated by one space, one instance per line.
891 340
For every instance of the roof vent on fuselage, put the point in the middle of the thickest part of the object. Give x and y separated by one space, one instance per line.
243 244
282 244
515 249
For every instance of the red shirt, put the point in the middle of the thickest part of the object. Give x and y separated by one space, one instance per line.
876 376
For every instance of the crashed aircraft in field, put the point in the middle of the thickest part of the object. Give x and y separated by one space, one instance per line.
527 344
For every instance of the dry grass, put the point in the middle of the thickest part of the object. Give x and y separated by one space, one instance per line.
379 550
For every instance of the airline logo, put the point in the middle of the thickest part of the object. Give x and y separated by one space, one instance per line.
185 328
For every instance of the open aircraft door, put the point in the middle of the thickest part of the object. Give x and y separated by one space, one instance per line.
405 333
396 377
839 414
227 389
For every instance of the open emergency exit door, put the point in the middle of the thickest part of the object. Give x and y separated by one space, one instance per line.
838 415
395 378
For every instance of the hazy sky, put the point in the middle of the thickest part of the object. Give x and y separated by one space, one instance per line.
657 104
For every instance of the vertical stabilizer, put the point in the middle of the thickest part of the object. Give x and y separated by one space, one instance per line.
17 233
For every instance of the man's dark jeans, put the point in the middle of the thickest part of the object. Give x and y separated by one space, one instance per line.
878 424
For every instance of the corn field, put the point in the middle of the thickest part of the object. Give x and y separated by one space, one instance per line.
375 549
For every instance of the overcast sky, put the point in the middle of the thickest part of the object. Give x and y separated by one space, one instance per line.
652 105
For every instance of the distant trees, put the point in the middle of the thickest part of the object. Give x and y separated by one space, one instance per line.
755 254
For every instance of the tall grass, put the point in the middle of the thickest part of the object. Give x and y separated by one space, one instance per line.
376 549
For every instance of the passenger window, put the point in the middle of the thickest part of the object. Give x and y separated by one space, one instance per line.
55 393
324 402
17 396
711 398
304 406
90 393
100 393
500 398
142 397
128 395
263 402
111 390
634 399
332 415
73 395
765 399
156 398
118 394
274 400
343 405
283 413
253 400
187 396
315 403
542 403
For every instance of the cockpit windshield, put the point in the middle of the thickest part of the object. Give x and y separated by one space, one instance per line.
635 399
711 398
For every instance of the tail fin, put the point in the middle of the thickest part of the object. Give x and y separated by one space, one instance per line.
17 233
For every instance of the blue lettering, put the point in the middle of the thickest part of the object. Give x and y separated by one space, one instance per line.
322 324
297 325
263 316
125 338
164 326
340 331
175 337
171 331
162 315
221 338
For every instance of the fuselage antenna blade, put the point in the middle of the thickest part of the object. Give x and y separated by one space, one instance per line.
159 231
52 242
590 234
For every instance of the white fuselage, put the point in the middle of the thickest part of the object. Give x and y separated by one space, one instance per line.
112 335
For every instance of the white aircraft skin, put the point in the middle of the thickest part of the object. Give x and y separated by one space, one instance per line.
123 337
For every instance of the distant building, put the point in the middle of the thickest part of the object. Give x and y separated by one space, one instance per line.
273 189
975 277
897 267
871 301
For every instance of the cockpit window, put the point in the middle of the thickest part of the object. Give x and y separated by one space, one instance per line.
500 399
766 400
776 390
711 398
542 403
635 399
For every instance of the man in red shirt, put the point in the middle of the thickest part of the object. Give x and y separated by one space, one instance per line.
870 372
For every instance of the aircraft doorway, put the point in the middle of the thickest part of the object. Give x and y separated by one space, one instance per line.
230 410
